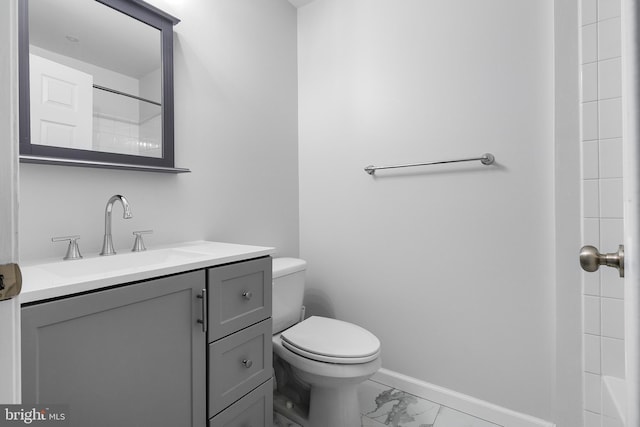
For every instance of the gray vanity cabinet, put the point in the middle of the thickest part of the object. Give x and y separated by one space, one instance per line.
187 350
133 355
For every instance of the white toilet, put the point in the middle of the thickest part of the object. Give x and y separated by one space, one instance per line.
329 356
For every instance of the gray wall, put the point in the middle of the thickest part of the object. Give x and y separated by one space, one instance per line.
434 261
236 129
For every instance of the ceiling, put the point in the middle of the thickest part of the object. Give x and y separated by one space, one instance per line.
94 33
300 3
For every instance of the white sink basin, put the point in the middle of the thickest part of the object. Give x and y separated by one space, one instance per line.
59 278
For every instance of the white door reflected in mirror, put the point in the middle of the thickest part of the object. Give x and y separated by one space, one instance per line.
61 105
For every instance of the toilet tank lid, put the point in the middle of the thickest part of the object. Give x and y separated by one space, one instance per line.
284 266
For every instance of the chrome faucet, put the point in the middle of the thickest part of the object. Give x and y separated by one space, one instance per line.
107 245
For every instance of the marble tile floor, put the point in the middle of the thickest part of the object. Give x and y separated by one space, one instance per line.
383 406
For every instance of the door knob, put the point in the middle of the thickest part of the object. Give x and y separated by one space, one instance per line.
591 259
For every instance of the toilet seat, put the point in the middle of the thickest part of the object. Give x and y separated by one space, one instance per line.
332 341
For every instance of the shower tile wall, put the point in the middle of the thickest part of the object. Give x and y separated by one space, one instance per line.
603 323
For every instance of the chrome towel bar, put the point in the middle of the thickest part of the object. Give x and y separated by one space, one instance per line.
485 159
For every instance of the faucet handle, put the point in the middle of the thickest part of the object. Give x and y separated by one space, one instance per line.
138 245
73 251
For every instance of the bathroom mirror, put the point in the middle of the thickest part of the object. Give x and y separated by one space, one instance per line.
96 84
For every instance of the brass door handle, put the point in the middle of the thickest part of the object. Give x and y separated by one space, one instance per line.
591 259
10 281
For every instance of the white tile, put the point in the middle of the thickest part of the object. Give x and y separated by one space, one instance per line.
590 154
613 357
377 401
611 422
608 9
612 314
611 201
591 283
591 419
591 232
590 82
592 392
589 11
591 200
105 125
367 393
611 234
591 321
450 417
589 121
609 78
610 118
591 236
122 128
611 284
592 353
610 158
609 39
608 406
589 43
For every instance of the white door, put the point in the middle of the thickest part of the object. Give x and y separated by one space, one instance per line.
9 309
61 104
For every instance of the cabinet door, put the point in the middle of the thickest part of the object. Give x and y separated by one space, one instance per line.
127 356
255 410
239 296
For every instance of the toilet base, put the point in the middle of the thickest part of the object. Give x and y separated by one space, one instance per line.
330 407
332 388
335 407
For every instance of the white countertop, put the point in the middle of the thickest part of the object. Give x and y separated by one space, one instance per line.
58 278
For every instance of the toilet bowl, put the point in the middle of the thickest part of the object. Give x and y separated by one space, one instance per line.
330 356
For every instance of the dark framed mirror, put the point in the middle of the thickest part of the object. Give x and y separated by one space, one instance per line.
96 84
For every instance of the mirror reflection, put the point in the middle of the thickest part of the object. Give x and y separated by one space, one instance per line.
95 79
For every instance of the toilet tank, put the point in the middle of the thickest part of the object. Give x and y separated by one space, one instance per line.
288 291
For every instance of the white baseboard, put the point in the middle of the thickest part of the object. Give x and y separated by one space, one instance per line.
458 401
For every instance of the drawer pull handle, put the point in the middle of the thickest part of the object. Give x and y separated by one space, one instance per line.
204 321
247 363
247 295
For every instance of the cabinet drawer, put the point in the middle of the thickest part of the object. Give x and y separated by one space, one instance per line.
255 410
239 296
239 363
